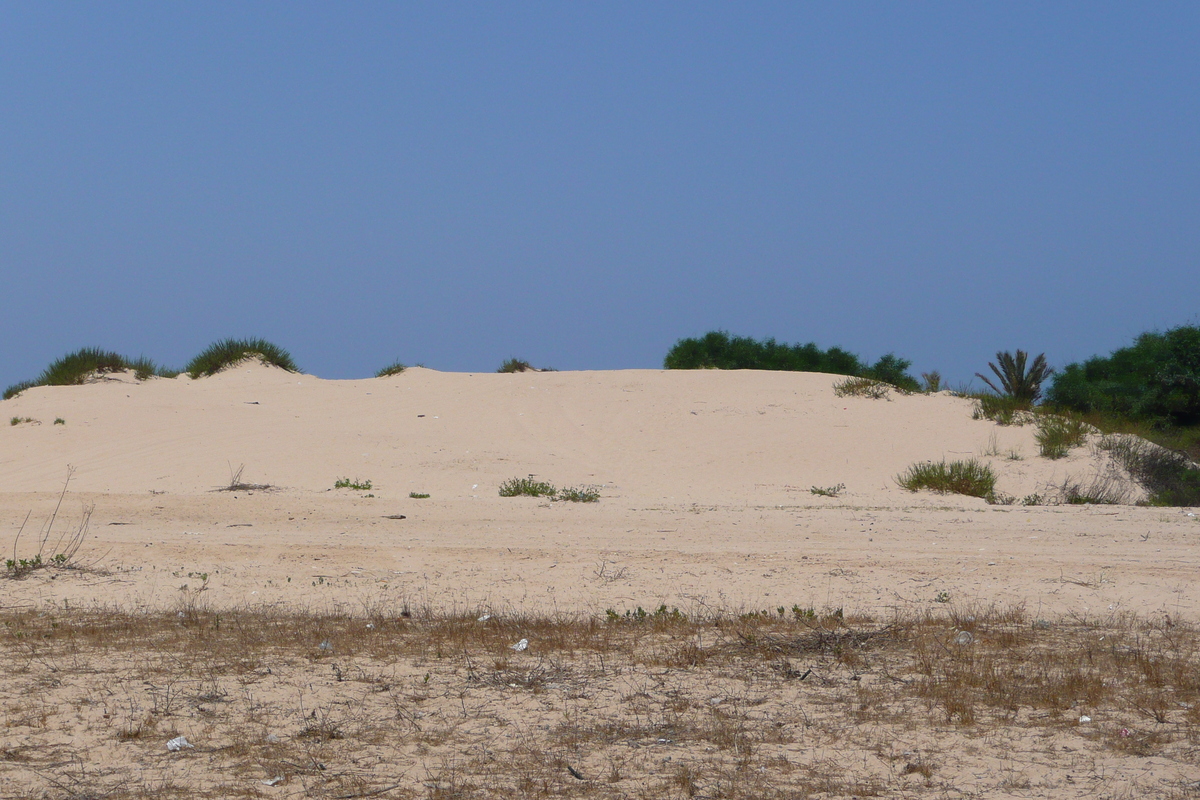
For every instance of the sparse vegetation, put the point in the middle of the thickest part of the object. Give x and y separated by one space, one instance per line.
59 421
15 421
578 494
1057 434
236 484
53 550
931 382
356 484
1169 478
969 477
862 387
227 352
828 491
298 698
516 365
418 495
1001 409
395 368
1098 490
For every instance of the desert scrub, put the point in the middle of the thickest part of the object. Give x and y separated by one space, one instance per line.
1056 435
957 477
1169 478
75 368
419 495
15 421
862 387
579 494
527 487
356 484
1001 410
395 368
228 352
828 491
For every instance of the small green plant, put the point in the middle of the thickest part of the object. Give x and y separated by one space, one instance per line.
527 487
579 494
931 382
356 484
418 495
395 368
942 597
862 387
515 365
828 491
970 477
1056 435
1000 410
1034 499
19 420
65 545
228 352
59 421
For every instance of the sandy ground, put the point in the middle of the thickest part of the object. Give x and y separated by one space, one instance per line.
704 478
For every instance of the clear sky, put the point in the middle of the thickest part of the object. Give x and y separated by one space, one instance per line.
582 184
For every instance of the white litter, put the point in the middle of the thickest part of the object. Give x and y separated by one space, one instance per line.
520 646
484 618
179 743
964 638
272 738
1084 719
325 645
273 781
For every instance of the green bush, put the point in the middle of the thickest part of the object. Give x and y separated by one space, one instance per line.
1056 435
579 494
227 352
719 350
958 477
861 387
1157 379
516 365
75 368
395 368
528 487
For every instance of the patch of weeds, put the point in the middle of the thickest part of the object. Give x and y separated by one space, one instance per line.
958 477
395 368
17 388
1170 478
527 487
65 545
862 387
20 420
1001 410
1100 490
59 421
1034 499
1056 435
516 365
579 494
931 382
228 352
356 484
828 491
76 368
942 597
418 495
237 485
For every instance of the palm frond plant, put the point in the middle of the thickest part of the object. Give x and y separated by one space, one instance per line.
1018 381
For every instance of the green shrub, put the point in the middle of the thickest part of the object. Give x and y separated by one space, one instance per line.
516 365
419 495
958 477
228 352
1001 409
1056 435
17 388
395 368
579 494
1157 379
828 491
356 484
528 487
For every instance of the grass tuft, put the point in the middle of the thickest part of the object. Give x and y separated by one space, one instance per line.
395 368
862 387
828 491
228 352
579 494
418 495
75 368
516 365
356 484
1056 435
970 477
1170 478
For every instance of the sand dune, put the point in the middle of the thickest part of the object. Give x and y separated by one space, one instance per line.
704 478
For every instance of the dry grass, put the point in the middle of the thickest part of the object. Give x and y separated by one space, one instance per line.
425 705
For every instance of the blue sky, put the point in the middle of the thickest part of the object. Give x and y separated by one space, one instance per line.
582 184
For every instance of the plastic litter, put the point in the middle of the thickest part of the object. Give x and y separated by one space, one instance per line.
484 618
520 646
273 781
179 743
325 645
1084 718
964 638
